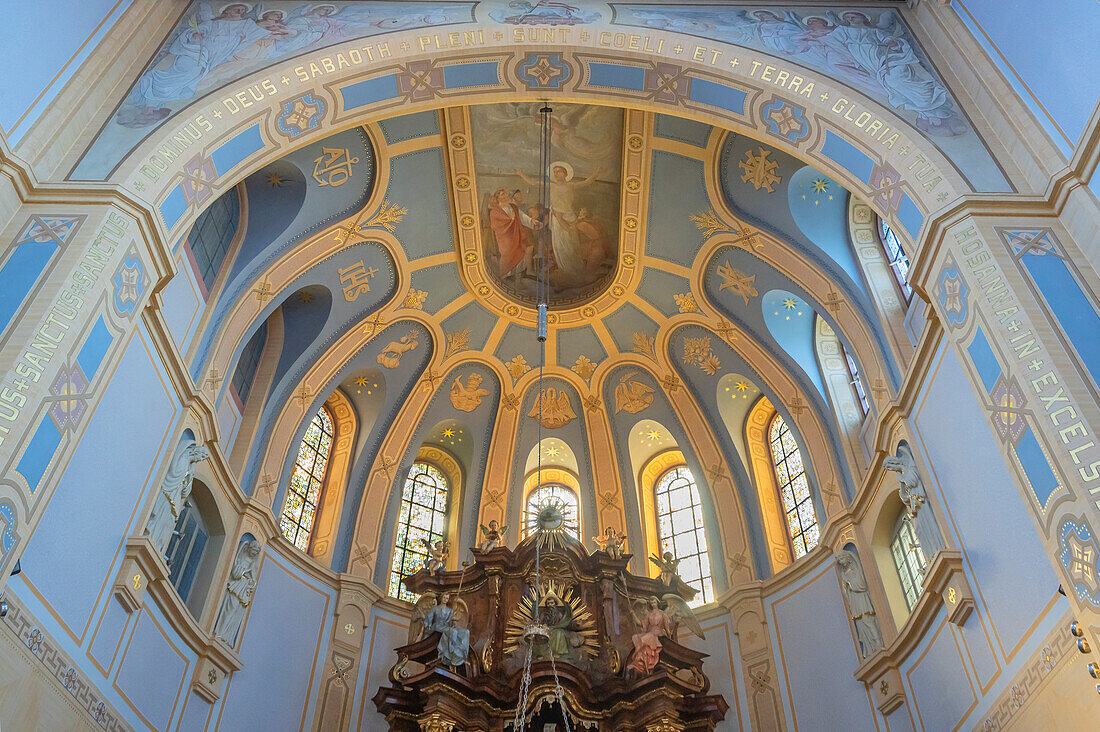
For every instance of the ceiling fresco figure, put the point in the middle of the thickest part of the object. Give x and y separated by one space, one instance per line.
577 235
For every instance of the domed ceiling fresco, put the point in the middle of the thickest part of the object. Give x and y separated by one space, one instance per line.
687 268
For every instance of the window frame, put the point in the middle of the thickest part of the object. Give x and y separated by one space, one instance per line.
780 484
699 530
550 484
885 234
855 380
320 491
189 560
402 548
912 579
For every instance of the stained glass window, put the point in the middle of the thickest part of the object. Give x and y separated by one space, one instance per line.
422 521
249 362
569 510
185 549
909 560
794 488
856 381
680 530
895 255
304 492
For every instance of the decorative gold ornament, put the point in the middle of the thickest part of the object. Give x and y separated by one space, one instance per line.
759 170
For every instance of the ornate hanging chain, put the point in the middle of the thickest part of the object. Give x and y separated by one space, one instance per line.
560 694
519 722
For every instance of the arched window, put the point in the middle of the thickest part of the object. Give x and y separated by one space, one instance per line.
304 492
212 234
794 488
248 363
680 529
909 559
856 381
421 521
895 255
569 511
185 549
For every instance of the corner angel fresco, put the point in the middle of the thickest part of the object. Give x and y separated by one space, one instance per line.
215 44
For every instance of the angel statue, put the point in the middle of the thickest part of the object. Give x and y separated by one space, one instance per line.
448 616
437 555
912 495
612 542
668 565
494 536
653 623
238 591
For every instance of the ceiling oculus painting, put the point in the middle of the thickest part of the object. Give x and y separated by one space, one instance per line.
578 233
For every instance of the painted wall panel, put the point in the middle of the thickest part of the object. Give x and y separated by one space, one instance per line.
1027 42
196 714
229 419
813 633
387 632
152 673
283 636
943 693
720 665
44 43
983 503
99 494
108 633
183 303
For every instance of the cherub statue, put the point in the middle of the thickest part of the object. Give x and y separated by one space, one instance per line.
668 565
494 535
437 555
612 542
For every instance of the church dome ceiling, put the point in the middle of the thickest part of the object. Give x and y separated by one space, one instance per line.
673 248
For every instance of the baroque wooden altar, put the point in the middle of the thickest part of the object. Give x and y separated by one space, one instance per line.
600 691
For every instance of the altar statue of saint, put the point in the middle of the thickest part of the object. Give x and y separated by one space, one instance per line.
612 542
668 566
449 619
557 616
173 493
494 535
652 625
238 591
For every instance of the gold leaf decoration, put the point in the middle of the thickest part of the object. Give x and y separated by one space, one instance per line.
583 367
415 299
388 216
644 344
685 301
457 342
709 223
517 367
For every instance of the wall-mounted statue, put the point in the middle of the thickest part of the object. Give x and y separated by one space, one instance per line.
238 591
450 618
912 494
668 566
612 542
494 536
437 555
858 599
174 491
656 618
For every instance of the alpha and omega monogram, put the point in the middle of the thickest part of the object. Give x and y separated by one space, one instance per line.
333 168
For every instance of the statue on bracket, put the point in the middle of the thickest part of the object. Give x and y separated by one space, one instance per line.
437 555
450 616
912 495
494 536
858 599
612 542
174 491
238 591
